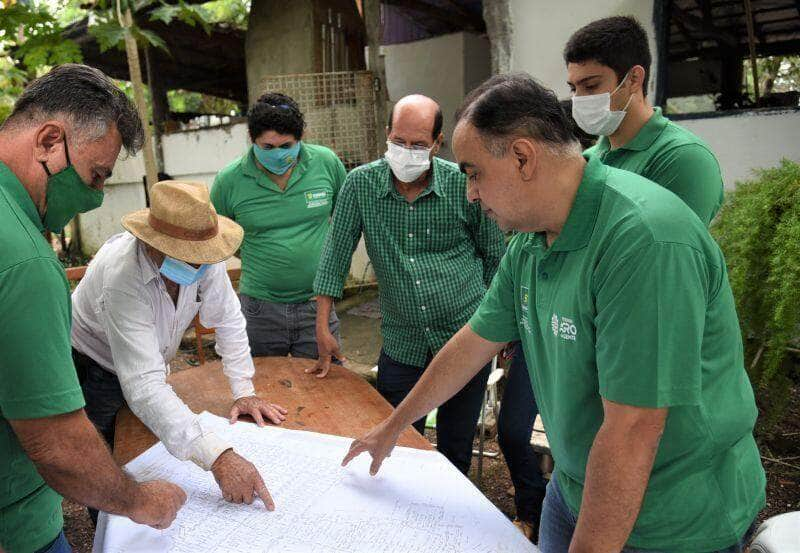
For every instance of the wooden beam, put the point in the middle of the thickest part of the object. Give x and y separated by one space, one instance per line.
460 19
697 25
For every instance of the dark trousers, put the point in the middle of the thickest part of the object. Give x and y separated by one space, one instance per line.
103 396
457 418
518 411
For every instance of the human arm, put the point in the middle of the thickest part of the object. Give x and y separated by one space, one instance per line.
461 358
488 240
73 459
220 310
692 173
334 264
616 476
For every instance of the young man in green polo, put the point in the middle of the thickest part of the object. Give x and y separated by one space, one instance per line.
282 192
621 300
608 67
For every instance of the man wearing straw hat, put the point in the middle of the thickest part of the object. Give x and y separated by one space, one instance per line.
140 293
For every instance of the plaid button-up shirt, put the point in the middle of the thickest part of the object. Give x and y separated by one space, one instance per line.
434 257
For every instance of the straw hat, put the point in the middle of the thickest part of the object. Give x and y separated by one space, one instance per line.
182 223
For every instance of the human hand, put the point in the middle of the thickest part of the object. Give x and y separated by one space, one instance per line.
239 480
258 409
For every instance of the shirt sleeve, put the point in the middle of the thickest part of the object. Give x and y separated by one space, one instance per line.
650 318
339 175
496 317
341 241
692 173
489 242
139 365
37 376
220 310
219 198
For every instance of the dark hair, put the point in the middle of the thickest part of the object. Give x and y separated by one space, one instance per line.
514 105
87 97
616 42
587 140
275 112
438 121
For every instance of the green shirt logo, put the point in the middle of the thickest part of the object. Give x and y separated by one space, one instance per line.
564 327
316 198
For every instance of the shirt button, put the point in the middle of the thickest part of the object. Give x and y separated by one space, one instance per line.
422 307
427 329
428 231
412 260
411 207
411 235
417 283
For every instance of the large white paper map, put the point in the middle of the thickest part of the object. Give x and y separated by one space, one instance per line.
418 502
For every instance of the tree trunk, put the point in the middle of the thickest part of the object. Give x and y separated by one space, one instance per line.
135 70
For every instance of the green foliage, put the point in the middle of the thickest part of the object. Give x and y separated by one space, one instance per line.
32 35
759 232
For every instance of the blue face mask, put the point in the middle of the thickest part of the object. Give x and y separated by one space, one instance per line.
277 160
181 272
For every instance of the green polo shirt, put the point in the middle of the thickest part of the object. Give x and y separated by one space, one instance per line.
283 229
37 377
632 303
673 157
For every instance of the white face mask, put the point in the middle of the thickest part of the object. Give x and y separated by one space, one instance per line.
593 113
407 164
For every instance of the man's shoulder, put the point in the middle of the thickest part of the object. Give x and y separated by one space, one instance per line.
637 211
321 153
368 175
116 266
674 138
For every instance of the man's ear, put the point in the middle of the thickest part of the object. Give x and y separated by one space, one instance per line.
49 141
437 144
526 156
636 77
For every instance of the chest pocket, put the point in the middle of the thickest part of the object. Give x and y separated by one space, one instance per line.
443 231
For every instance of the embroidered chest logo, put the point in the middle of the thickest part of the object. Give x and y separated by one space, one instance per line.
316 198
563 327
524 300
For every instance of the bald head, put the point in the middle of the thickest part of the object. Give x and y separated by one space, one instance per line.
418 114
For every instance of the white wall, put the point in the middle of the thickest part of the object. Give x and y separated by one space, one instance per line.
749 140
192 155
444 68
541 29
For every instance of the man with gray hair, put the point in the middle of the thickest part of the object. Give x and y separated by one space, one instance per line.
622 303
57 148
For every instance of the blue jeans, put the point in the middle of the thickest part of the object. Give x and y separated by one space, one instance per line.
518 411
457 418
58 545
558 524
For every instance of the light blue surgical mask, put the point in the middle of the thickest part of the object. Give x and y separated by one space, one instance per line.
277 160
181 272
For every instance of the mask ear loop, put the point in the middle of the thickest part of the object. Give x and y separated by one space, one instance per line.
66 153
628 103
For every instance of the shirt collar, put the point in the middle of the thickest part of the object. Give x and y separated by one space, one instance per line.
146 266
582 216
249 167
644 138
387 184
13 187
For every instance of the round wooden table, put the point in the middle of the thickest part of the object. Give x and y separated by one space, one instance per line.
342 403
